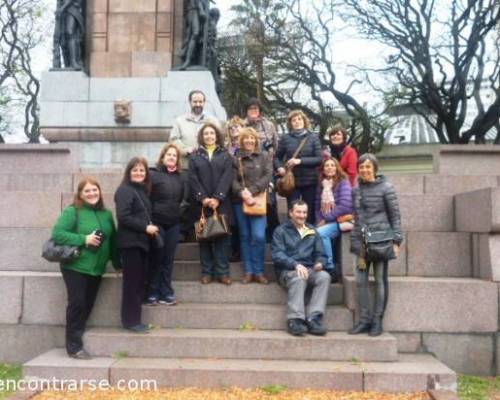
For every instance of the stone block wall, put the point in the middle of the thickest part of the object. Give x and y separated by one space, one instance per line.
130 38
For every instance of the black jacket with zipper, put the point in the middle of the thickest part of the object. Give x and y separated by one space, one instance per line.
167 193
133 212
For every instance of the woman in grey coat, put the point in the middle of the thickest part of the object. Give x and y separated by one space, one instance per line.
376 209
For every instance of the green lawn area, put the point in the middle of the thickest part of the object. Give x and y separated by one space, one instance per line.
478 388
8 372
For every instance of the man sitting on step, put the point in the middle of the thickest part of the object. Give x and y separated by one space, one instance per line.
299 259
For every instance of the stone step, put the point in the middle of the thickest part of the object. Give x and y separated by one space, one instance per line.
426 254
40 298
439 254
235 316
410 373
221 343
428 212
436 305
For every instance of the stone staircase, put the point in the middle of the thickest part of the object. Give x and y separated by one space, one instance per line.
440 311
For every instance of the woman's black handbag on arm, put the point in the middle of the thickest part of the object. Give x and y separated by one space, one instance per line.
61 253
379 245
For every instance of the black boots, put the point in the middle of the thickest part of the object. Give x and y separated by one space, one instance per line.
296 327
360 327
315 325
376 329
373 329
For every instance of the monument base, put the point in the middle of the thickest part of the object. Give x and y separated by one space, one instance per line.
80 109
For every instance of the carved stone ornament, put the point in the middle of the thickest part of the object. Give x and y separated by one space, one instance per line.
123 111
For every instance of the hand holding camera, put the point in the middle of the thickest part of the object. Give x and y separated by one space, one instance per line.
94 240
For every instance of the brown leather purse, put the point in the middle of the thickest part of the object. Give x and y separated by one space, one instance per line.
259 208
286 184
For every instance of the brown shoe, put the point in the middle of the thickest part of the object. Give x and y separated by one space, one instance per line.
247 279
225 280
261 279
206 279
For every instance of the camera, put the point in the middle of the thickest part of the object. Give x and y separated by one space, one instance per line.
101 236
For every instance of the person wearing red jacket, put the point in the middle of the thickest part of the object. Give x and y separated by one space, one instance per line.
344 153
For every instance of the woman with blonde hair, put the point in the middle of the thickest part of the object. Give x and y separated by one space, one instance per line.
252 172
88 224
306 147
233 128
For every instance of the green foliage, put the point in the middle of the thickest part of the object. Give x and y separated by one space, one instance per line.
477 388
9 372
274 389
247 327
121 354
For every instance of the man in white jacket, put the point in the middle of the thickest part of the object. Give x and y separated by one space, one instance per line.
184 132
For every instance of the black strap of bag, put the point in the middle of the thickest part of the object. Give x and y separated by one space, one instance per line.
157 240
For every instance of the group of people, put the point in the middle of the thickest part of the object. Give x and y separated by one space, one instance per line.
204 171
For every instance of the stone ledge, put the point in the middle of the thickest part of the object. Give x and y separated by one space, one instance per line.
106 134
436 305
478 211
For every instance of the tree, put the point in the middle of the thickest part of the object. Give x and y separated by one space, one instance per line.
296 56
21 32
439 58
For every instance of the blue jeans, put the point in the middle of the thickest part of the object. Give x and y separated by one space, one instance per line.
252 239
328 233
214 257
160 286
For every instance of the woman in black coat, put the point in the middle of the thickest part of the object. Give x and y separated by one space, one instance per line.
304 165
210 179
135 230
376 210
167 193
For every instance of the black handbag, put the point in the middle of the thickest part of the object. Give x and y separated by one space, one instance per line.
212 227
156 241
379 245
61 253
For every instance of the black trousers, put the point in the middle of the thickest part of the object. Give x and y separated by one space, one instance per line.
135 269
82 292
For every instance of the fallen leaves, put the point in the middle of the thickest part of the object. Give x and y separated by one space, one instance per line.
227 394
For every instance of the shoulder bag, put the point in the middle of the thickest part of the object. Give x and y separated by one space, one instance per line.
285 185
260 207
62 253
210 228
379 245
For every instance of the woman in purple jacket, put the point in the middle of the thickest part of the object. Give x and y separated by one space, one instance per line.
333 200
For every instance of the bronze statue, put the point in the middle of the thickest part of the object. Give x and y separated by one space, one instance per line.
195 34
212 60
69 34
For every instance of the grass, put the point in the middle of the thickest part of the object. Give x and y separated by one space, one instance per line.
121 354
8 372
478 388
273 389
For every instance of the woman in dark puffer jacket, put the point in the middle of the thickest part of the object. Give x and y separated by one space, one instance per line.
167 192
376 208
304 165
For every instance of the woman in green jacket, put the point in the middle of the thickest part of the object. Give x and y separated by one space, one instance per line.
88 224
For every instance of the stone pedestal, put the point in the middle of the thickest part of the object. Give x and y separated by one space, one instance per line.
131 38
79 108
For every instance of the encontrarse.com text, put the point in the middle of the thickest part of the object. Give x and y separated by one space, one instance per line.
54 384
